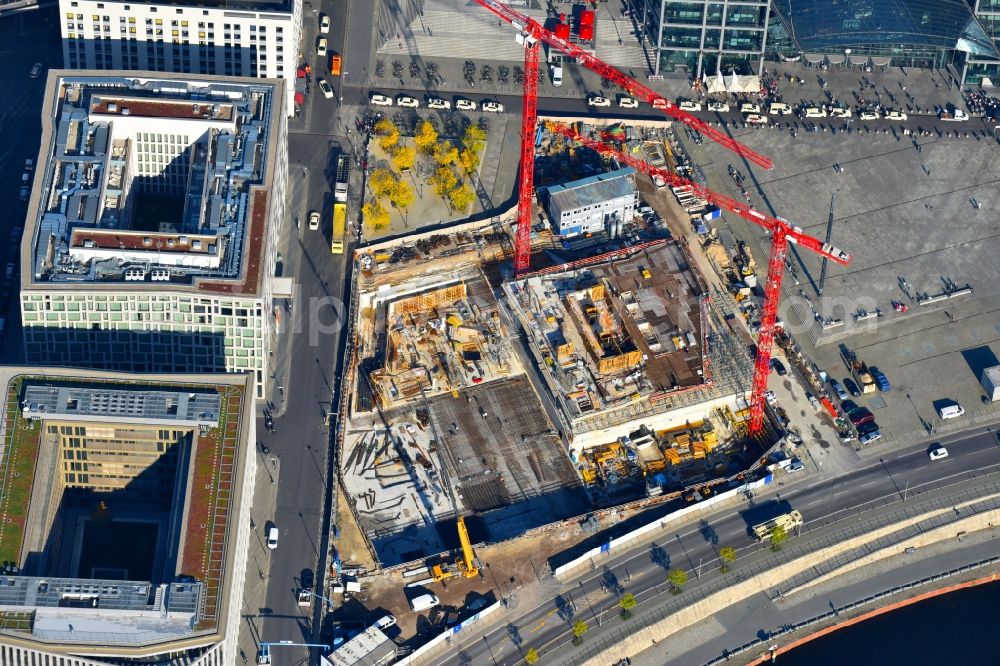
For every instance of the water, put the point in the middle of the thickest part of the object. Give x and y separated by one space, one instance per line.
959 627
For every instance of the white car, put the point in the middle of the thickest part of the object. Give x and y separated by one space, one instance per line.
690 106
895 115
438 103
408 102
321 47
324 23
840 113
597 100
869 115
938 452
627 102
660 103
465 105
380 100
756 119
326 89
721 107
492 107
272 538
747 107
780 109
385 622
313 220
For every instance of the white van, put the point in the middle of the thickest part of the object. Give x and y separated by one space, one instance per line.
557 75
272 538
951 411
423 602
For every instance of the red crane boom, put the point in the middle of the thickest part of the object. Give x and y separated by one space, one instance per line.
526 182
625 82
782 232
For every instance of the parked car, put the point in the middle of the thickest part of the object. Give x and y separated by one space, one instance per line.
881 381
870 437
951 411
321 47
795 466
36 70
860 416
407 102
866 428
326 89
721 107
597 100
756 119
690 106
779 109
869 115
848 406
324 23
385 622
748 107
895 115
814 112
438 103
492 107
465 104
778 367
937 451
838 390
851 387
380 100
272 537
840 112
627 102
313 220
660 103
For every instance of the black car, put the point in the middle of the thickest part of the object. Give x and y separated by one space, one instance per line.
851 387
778 367
866 428
849 406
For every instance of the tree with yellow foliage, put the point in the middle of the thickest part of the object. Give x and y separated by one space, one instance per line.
469 159
404 157
382 182
387 132
461 197
445 153
443 180
474 138
375 214
401 196
426 137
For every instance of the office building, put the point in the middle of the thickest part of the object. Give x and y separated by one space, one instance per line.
252 38
91 460
702 37
151 230
939 34
982 68
601 203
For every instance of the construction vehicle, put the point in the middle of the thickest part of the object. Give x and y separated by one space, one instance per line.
264 654
859 370
466 565
782 233
529 33
338 228
787 521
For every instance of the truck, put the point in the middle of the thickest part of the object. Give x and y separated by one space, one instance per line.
859 370
788 521
339 228
336 62
343 173
953 114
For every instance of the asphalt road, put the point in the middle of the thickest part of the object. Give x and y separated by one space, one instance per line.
643 568
301 440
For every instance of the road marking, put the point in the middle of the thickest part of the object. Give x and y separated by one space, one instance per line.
538 627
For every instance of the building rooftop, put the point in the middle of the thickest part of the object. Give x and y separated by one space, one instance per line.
369 648
593 189
71 402
228 5
152 179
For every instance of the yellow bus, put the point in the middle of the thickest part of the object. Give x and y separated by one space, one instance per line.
339 228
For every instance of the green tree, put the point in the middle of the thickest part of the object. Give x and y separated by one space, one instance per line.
727 554
469 159
627 602
461 197
404 157
778 536
382 182
531 656
401 196
678 578
443 181
375 214
387 133
579 629
445 153
426 137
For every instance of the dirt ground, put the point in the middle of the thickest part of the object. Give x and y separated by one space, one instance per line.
351 542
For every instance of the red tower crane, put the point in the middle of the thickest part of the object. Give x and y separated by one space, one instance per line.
782 233
530 33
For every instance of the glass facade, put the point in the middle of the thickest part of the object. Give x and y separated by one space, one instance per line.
985 70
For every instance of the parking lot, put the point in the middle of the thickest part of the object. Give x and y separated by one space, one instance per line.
903 206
